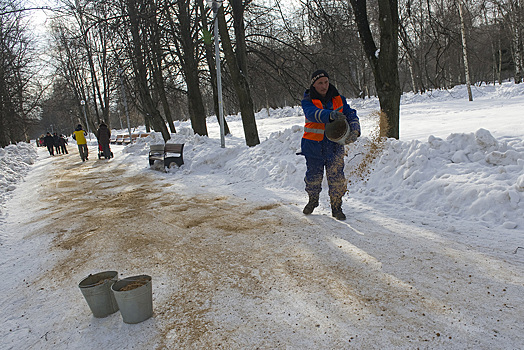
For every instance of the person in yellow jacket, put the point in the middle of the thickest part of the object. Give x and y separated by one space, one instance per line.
80 136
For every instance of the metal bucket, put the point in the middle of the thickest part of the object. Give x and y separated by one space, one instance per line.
134 296
338 131
97 292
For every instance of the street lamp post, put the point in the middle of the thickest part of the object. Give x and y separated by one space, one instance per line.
83 103
215 5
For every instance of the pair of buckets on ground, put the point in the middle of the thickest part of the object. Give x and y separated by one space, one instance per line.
105 295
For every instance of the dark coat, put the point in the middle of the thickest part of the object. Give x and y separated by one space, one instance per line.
103 134
49 141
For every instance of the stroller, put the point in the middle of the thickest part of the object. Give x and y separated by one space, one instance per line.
101 152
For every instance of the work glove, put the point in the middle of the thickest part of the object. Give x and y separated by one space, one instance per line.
352 137
335 115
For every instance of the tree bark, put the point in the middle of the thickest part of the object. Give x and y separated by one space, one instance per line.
465 49
141 72
189 64
384 62
208 46
156 63
239 78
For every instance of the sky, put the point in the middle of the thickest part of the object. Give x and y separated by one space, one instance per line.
428 258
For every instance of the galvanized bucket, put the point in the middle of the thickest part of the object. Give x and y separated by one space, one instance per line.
134 296
97 292
338 131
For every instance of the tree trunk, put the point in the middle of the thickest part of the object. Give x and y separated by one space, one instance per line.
141 73
208 45
239 79
499 65
190 67
465 49
100 97
518 55
156 62
384 62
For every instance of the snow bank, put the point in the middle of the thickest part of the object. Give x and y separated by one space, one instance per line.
470 176
15 161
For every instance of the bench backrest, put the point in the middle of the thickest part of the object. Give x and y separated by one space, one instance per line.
157 148
174 148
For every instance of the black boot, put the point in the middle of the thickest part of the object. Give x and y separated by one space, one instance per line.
336 209
311 205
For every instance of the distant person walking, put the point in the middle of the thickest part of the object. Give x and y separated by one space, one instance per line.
49 142
103 134
63 142
322 104
80 136
56 140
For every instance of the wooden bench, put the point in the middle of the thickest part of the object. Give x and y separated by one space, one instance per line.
119 139
168 153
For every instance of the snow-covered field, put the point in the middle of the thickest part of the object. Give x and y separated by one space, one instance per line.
438 214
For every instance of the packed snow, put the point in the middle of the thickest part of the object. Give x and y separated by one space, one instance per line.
457 173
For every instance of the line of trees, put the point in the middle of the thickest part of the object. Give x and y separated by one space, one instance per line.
162 52
19 92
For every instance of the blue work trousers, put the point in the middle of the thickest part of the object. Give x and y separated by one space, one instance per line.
334 172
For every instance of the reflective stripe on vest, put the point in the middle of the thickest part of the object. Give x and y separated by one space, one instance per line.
315 131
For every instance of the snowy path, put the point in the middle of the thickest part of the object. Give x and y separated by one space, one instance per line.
231 273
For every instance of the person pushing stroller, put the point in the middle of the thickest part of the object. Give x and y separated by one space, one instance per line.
103 134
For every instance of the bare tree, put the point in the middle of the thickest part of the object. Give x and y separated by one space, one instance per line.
71 67
184 34
383 59
465 49
139 65
17 96
513 14
237 64
155 56
210 59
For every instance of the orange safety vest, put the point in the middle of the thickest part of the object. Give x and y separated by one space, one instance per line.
315 131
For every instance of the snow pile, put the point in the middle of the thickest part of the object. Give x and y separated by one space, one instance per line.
471 176
460 93
15 161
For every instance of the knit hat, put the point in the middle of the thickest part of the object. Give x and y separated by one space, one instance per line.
317 75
